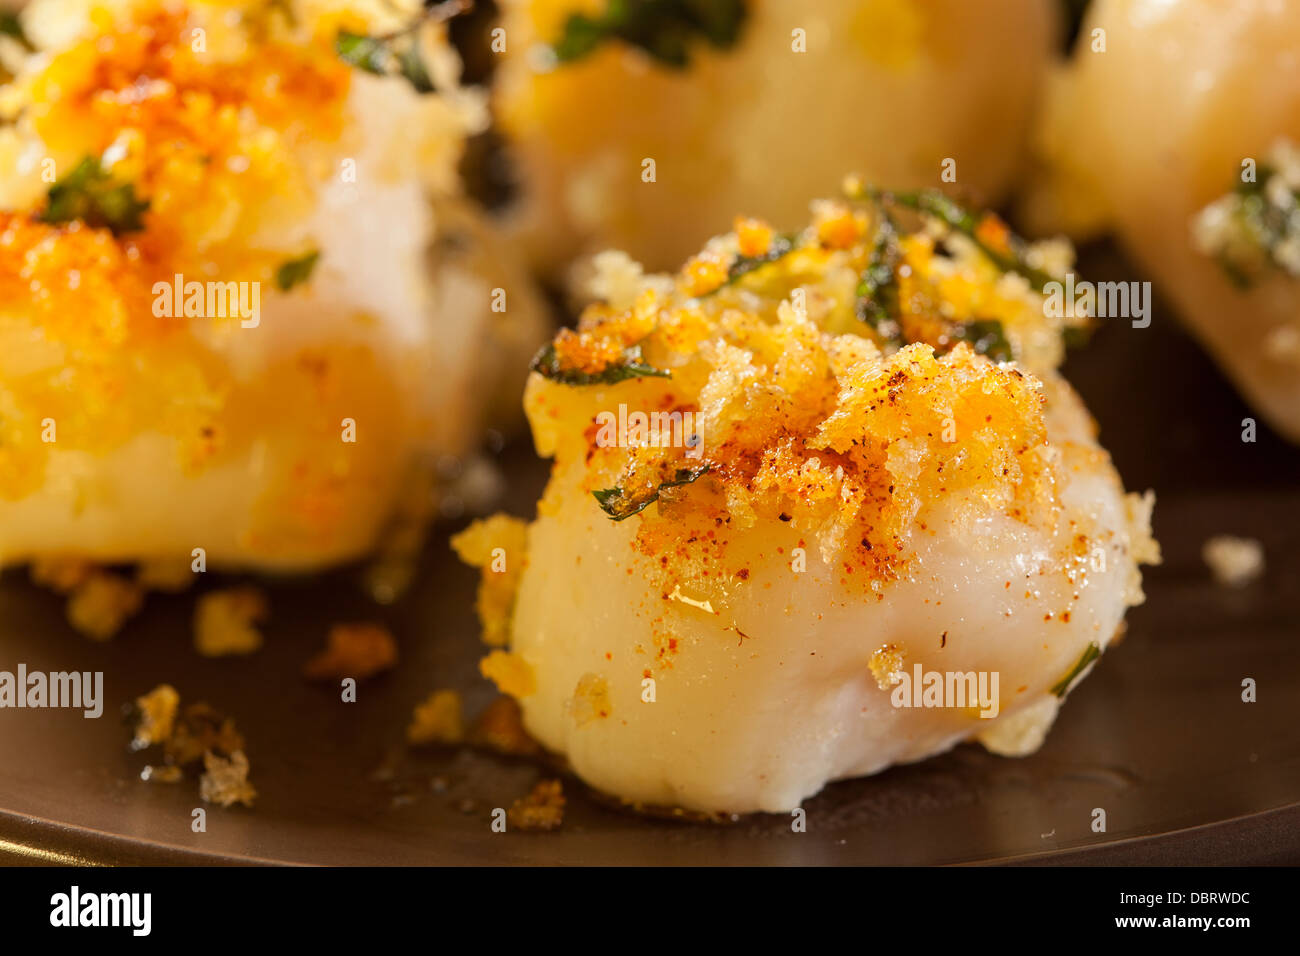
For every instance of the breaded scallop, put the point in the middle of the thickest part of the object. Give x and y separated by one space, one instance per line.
1176 127
242 306
820 504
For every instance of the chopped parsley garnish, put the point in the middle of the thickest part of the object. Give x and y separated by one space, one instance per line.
397 53
877 302
948 211
11 27
1254 229
547 362
385 56
89 194
664 29
1091 654
296 271
743 265
987 337
618 506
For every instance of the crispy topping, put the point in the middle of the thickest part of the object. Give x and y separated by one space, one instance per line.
807 412
439 719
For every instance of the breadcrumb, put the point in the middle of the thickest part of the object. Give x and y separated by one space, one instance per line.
156 716
223 622
353 650
439 719
886 666
1235 562
225 780
100 604
542 809
199 733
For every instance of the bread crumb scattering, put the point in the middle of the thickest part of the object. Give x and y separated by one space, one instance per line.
101 603
498 546
225 780
439 719
223 622
156 716
501 728
542 809
197 734
1235 562
353 650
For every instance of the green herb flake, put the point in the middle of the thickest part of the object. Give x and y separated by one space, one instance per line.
987 337
877 292
397 55
12 27
619 507
296 271
742 266
89 194
1091 654
547 363
937 205
664 29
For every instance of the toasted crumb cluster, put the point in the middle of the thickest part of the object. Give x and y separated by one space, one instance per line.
210 134
542 809
197 734
353 650
100 604
439 719
224 622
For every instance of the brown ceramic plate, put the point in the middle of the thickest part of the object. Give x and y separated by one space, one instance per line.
1158 736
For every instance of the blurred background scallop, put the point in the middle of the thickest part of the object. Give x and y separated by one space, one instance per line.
1175 127
750 106
244 305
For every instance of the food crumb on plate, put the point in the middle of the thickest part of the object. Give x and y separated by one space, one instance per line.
353 650
542 809
438 719
223 622
1235 562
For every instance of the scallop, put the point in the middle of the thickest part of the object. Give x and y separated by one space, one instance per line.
794 531
643 132
243 307
1175 127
